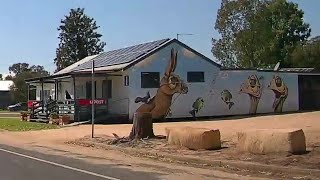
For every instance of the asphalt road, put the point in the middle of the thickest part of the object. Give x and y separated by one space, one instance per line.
19 164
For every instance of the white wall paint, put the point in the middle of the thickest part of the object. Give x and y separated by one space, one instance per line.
232 80
186 61
46 86
81 86
215 82
119 102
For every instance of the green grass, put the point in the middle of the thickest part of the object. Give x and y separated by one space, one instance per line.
14 124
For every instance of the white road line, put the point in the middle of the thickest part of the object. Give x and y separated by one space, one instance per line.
60 165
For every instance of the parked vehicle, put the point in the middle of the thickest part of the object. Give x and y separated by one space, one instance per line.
21 106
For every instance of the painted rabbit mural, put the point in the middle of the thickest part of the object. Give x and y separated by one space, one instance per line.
170 84
253 88
281 92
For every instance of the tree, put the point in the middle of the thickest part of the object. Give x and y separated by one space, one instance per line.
142 126
78 39
23 71
308 54
9 77
1 77
18 68
258 33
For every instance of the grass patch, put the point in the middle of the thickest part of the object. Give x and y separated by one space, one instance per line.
14 124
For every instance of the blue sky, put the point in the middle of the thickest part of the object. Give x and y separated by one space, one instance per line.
29 33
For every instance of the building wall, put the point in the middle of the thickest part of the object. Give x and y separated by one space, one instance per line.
81 86
119 101
223 92
186 61
63 85
242 96
46 87
5 99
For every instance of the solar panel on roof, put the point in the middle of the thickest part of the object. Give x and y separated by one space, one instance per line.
120 56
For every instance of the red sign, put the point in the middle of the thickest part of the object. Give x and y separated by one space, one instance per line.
87 102
31 102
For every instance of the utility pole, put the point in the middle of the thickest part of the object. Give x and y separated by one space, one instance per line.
183 34
92 98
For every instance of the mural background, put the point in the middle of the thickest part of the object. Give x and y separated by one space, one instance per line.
216 81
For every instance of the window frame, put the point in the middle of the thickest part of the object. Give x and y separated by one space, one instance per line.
190 80
144 84
126 80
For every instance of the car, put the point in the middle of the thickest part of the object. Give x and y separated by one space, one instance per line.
18 107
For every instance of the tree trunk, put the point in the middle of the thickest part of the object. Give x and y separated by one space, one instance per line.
142 126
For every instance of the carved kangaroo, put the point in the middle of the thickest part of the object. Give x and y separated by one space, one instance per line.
170 84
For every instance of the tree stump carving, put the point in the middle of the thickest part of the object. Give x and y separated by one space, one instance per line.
142 126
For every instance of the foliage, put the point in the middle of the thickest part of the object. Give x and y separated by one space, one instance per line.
9 77
24 113
23 71
12 124
54 115
1 77
258 33
78 39
307 55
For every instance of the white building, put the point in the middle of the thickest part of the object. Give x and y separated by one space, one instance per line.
171 80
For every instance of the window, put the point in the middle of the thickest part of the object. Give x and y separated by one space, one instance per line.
109 86
126 80
195 76
89 89
150 79
107 89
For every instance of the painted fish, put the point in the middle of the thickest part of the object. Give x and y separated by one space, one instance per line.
197 106
226 97
143 99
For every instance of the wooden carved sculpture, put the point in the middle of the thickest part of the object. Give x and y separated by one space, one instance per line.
170 84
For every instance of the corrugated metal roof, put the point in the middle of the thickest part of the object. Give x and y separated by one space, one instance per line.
121 56
107 68
5 85
74 65
306 70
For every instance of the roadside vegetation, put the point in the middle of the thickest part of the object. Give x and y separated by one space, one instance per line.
14 124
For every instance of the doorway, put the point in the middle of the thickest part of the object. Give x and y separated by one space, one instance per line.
309 92
107 89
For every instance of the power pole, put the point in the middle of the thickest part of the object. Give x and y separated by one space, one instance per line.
92 98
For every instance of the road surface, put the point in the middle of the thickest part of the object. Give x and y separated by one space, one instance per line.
17 164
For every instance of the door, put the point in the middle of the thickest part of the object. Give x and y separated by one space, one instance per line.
309 92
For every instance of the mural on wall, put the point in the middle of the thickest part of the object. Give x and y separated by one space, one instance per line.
197 106
281 92
170 84
253 88
226 97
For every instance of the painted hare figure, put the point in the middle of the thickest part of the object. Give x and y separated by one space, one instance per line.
170 84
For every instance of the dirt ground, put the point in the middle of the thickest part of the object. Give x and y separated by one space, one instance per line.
309 122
